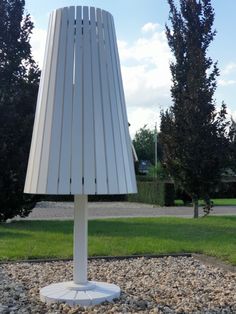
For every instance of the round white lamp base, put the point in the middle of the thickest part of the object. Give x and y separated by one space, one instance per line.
70 293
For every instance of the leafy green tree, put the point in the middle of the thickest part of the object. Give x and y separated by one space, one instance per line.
144 144
193 134
158 172
19 78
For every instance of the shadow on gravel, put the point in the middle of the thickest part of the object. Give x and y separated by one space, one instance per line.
52 226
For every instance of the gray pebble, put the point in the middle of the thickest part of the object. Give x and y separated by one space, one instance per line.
156 285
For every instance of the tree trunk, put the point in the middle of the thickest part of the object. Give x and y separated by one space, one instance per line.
195 207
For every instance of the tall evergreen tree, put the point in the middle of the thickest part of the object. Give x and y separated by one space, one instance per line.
19 78
193 134
232 154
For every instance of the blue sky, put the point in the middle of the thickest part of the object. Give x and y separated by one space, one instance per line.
144 52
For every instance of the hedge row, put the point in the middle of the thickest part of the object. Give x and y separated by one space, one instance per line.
149 191
224 190
154 192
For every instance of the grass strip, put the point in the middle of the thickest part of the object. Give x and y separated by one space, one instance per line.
213 236
216 202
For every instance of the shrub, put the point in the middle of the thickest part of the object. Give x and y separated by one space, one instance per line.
151 191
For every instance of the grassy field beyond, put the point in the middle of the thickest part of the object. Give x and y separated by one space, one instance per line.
213 236
216 202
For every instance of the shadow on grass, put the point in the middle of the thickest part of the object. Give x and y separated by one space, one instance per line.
64 227
215 228
12 235
168 230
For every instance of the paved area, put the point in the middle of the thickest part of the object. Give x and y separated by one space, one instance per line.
96 210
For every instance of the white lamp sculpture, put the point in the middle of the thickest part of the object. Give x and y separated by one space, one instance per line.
80 143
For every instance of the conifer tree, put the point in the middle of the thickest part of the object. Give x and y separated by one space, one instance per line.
19 78
193 134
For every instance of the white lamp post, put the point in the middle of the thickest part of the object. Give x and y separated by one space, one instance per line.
80 143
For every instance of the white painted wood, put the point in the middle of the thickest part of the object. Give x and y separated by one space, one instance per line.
88 114
120 104
65 153
81 143
62 293
55 144
80 290
108 128
113 102
43 112
77 118
80 239
40 111
37 115
43 171
100 153
131 179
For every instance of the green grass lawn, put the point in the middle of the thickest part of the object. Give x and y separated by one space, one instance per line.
215 236
217 202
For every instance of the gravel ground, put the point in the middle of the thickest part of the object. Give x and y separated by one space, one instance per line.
156 285
65 210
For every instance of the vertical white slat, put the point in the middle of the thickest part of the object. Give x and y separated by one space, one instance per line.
30 168
54 157
88 122
43 171
109 140
77 125
65 155
131 179
123 122
100 155
113 99
43 110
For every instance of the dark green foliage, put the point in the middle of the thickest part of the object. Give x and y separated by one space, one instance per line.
232 155
158 172
193 135
169 194
225 190
151 191
19 77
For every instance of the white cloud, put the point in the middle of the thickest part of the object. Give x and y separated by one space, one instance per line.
38 41
146 77
223 82
150 27
145 72
138 117
233 114
231 67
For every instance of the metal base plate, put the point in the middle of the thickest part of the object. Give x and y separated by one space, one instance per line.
90 294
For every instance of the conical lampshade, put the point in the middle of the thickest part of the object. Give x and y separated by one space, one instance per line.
81 143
